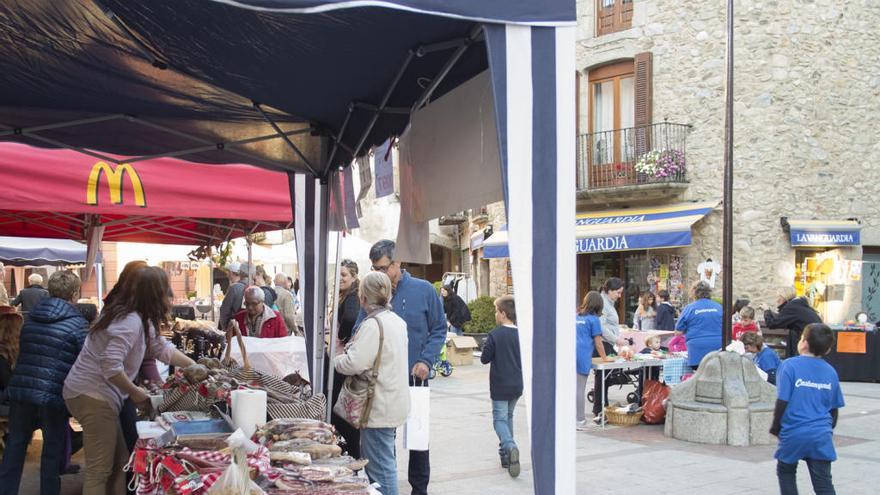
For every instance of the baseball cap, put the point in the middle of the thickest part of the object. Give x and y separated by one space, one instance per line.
234 267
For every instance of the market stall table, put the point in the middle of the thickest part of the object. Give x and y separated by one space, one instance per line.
855 355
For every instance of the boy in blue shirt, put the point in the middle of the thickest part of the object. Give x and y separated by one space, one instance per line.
589 337
765 358
808 397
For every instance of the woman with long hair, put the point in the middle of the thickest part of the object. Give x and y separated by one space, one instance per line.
348 307
103 375
646 314
10 332
457 312
589 341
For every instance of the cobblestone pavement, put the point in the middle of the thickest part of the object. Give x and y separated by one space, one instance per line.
616 460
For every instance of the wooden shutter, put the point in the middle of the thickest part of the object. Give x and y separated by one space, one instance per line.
643 107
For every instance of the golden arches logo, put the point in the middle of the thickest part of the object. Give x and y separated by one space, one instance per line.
114 179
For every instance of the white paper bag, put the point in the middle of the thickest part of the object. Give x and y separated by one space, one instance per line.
418 424
277 357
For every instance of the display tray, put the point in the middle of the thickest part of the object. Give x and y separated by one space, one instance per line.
204 429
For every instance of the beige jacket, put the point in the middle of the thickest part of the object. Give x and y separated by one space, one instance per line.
287 308
391 399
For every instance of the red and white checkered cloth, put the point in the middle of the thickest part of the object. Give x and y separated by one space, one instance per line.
156 476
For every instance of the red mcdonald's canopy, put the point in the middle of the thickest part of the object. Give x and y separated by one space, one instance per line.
60 193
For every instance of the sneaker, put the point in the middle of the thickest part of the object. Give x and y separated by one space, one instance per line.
513 468
598 419
505 461
583 425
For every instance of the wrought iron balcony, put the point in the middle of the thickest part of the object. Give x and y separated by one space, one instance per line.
647 154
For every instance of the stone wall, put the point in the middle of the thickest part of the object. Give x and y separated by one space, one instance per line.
807 82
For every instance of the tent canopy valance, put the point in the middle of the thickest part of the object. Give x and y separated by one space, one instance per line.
63 193
26 252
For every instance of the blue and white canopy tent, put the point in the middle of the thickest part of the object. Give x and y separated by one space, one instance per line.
304 86
20 251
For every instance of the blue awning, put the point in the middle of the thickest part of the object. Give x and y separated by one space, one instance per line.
624 230
825 233
21 251
496 245
639 228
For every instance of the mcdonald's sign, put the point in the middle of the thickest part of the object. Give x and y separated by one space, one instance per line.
114 178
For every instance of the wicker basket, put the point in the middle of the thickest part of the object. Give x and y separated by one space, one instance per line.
622 419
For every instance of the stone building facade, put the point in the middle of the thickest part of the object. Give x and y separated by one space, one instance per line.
807 79
805 142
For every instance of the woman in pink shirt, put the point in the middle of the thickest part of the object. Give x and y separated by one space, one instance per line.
103 375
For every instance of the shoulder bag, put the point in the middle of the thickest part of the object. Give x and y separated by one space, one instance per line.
356 396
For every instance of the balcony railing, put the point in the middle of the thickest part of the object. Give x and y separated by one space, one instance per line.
637 155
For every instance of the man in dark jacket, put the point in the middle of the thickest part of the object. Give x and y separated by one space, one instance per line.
505 379
51 339
794 314
31 295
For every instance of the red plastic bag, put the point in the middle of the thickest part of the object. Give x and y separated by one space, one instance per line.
654 398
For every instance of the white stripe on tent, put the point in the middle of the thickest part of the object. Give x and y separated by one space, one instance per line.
329 7
565 260
519 184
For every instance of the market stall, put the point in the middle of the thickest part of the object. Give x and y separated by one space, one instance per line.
856 353
167 78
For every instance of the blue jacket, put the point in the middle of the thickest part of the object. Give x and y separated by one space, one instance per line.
418 304
51 339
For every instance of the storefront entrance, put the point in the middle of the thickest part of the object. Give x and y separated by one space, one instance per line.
641 271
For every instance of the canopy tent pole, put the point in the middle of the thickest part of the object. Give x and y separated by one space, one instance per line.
250 260
314 273
533 86
211 279
334 324
99 281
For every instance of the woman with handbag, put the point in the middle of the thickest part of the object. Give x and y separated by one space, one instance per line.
375 395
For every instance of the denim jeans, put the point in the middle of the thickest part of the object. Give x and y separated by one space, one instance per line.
820 475
377 446
502 420
24 418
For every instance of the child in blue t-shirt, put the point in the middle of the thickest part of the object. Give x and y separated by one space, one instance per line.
765 358
589 337
808 397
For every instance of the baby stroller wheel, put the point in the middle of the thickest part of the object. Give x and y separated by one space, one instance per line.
632 397
591 396
446 368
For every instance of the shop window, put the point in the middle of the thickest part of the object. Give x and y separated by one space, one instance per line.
613 16
641 271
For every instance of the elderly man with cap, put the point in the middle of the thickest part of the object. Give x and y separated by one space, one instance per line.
257 319
233 301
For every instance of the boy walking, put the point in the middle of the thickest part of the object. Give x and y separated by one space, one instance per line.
505 379
808 398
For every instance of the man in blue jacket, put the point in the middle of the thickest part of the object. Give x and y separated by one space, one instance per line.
418 304
51 339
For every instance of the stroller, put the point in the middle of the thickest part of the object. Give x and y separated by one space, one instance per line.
621 378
